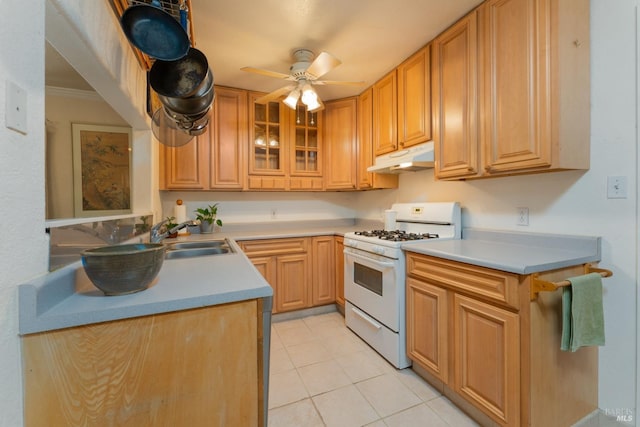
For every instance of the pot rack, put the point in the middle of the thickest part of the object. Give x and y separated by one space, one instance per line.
172 7
539 285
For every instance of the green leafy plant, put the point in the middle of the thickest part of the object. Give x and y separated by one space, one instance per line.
170 223
209 214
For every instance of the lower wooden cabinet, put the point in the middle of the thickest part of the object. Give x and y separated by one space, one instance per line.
427 317
300 270
339 276
474 333
323 288
199 367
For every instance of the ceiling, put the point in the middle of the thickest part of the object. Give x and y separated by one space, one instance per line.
370 37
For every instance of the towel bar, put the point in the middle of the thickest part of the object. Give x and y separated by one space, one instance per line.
539 285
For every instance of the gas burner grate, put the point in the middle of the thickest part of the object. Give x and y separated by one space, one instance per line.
396 235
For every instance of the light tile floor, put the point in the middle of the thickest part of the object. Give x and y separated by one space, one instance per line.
322 374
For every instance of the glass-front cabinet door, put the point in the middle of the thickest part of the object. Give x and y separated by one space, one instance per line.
267 140
307 140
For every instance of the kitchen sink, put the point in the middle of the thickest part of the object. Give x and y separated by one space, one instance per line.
198 245
197 249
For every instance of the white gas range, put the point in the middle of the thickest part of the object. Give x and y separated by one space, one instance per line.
374 284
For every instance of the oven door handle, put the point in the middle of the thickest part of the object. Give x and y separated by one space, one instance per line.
366 318
364 258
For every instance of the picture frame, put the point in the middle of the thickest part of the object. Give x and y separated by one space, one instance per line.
101 170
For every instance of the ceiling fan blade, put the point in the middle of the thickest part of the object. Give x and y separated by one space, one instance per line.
323 63
268 73
272 96
336 82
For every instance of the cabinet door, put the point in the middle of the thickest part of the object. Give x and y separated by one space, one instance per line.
186 167
486 356
292 290
306 142
268 139
414 99
367 180
385 114
427 317
323 288
340 135
339 260
229 131
516 119
455 103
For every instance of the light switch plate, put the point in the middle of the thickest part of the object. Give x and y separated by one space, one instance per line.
16 108
616 187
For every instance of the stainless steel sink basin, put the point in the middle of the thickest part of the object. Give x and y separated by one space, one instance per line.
196 245
197 249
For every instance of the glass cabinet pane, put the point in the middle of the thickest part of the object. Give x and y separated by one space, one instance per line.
267 138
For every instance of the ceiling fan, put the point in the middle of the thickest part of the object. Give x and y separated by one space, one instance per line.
305 72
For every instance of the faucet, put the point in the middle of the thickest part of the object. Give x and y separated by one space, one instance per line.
156 237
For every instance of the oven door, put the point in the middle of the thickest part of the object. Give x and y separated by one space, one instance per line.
374 284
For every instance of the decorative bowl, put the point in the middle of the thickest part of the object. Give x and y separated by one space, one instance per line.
123 269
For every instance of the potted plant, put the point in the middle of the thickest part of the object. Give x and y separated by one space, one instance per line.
169 225
207 217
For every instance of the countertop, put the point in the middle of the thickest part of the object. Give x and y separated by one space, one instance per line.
515 252
66 297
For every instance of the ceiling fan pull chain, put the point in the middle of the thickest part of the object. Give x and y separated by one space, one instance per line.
311 122
298 115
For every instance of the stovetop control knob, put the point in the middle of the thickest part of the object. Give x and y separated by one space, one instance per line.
378 250
351 243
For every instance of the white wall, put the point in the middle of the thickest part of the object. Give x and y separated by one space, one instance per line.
24 249
62 108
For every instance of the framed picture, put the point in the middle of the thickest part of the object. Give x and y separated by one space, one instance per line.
101 170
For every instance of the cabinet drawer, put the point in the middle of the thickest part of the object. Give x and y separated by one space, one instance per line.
487 283
275 246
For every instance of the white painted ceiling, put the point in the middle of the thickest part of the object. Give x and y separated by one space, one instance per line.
370 37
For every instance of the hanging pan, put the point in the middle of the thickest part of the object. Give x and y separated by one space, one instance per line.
155 32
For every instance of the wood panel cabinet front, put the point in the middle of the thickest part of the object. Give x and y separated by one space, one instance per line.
427 327
511 90
323 288
414 99
229 130
217 158
455 100
341 139
292 284
486 355
385 114
186 167
339 273
195 367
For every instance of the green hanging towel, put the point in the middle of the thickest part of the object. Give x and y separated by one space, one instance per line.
582 313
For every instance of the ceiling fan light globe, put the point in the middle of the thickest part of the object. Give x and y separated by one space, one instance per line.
309 96
313 105
292 100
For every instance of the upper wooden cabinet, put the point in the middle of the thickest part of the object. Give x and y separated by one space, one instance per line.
385 114
340 135
455 111
414 99
367 180
305 166
521 70
229 131
268 138
217 158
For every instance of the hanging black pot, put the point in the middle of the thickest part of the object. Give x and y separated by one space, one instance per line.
155 32
187 76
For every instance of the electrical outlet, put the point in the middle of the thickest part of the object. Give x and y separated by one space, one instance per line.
16 108
274 214
523 216
616 187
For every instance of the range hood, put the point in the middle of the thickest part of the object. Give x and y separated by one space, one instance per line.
412 159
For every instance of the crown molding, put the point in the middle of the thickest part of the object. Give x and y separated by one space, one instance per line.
72 93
